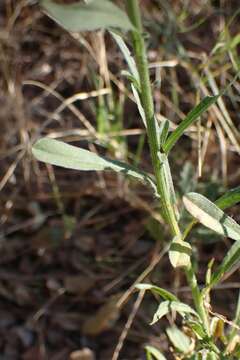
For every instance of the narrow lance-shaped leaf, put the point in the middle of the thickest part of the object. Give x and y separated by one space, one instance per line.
96 14
61 154
127 55
166 295
208 214
171 188
168 182
188 121
163 132
229 199
139 105
232 257
193 115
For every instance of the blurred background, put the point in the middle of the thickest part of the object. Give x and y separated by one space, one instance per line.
73 244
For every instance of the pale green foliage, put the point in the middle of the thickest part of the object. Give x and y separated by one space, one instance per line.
157 290
208 214
127 56
166 307
180 252
180 340
61 154
104 14
96 14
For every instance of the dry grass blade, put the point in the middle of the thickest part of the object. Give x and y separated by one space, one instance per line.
128 324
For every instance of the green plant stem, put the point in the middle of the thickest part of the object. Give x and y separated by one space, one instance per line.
189 228
197 298
147 102
152 132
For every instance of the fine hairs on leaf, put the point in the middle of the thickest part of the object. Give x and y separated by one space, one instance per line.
208 214
61 154
127 55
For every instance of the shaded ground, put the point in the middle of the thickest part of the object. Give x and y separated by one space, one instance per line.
73 244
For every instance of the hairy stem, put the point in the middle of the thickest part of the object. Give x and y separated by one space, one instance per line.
197 298
152 132
147 102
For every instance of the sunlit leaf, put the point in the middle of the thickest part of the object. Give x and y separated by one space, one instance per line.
180 341
166 295
61 154
179 253
96 14
211 216
162 310
182 308
166 307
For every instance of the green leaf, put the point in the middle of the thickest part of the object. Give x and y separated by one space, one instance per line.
168 182
235 41
213 356
188 121
182 308
127 55
231 258
162 310
211 216
163 132
180 341
197 328
153 353
229 199
166 295
96 14
61 154
171 189
139 105
179 253
168 306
